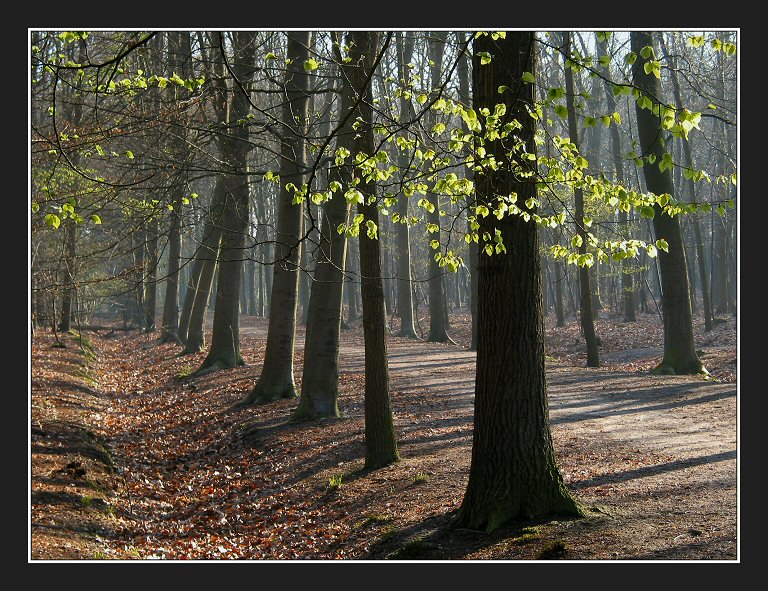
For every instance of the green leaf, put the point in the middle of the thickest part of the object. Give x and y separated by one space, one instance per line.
95 219
529 78
605 120
485 57
561 111
35 207
646 52
129 154
53 220
652 252
590 121
502 88
630 58
311 64
647 211
488 249
662 245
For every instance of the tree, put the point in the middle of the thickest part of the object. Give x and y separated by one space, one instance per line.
405 43
380 437
320 378
513 473
679 349
586 308
225 337
276 379
438 328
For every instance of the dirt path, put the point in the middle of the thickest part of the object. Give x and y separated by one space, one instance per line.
654 458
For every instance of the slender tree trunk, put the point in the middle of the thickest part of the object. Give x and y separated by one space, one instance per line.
276 380
585 298
169 331
320 379
68 292
694 220
513 472
150 293
196 300
225 336
380 437
679 350
462 69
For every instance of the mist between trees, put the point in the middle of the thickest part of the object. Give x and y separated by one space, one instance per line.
325 177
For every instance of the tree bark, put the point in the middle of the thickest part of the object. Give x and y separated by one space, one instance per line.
380 437
586 309
320 378
276 380
225 336
513 473
679 350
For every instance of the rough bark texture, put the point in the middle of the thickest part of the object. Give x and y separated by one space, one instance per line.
679 349
380 438
225 336
276 380
586 308
513 473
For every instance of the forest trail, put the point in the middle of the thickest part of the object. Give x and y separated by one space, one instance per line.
652 457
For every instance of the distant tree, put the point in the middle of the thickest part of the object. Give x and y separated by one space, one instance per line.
586 309
513 472
405 43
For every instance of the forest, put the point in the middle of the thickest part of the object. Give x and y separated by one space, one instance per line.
383 295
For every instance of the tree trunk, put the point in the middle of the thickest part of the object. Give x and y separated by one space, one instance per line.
276 380
462 69
225 337
150 294
320 378
380 438
586 311
679 350
196 300
513 473
170 323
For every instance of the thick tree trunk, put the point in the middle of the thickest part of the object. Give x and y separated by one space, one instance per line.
513 473
277 380
68 276
679 350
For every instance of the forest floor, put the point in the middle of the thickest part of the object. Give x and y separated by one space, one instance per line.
133 459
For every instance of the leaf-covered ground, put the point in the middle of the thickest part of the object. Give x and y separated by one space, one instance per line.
133 459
